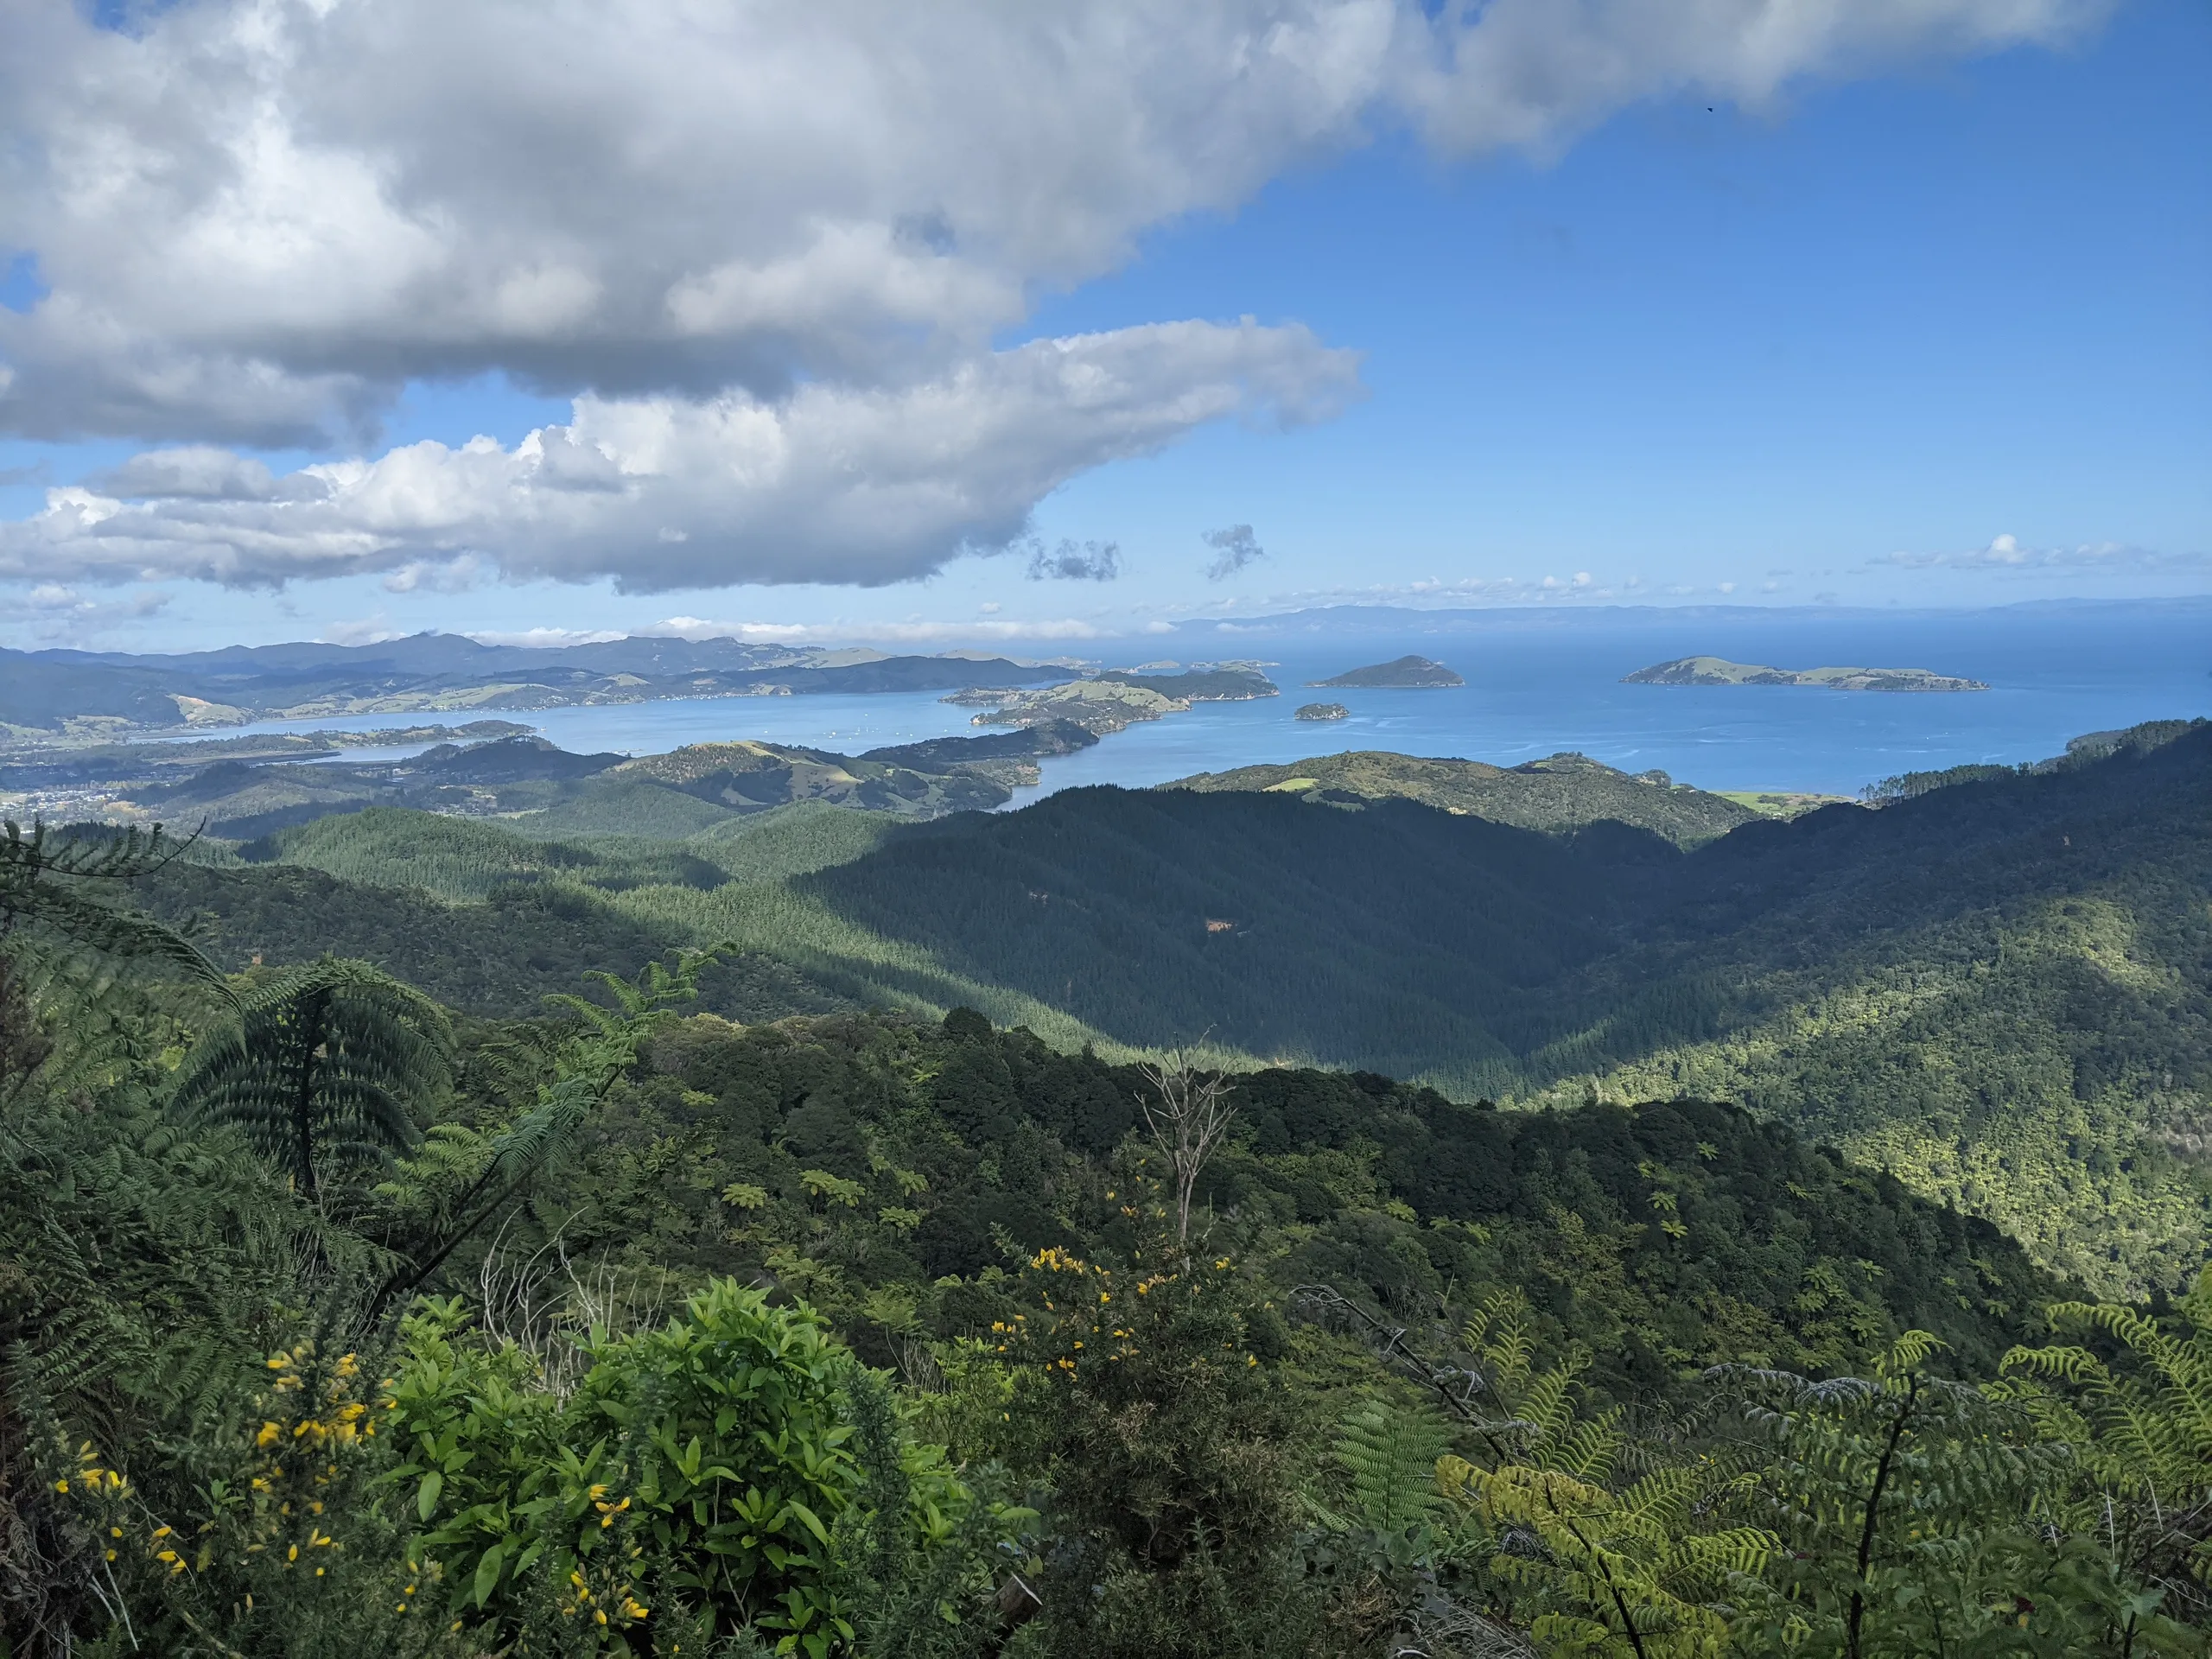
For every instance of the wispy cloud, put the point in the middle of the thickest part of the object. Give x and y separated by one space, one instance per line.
547 639
2007 553
361 631
56 614
915 630
1233 549
459 575
1069 562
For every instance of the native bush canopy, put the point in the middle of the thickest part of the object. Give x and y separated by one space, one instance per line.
1995 987
626 1328
508 1308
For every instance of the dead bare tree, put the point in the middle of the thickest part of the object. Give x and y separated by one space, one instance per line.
1188 1114
524 1302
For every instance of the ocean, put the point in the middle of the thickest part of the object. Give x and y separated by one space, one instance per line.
1539 682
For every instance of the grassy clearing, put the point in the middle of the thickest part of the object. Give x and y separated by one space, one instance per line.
1781 802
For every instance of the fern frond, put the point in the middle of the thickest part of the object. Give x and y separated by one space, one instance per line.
322 1068
1390 1455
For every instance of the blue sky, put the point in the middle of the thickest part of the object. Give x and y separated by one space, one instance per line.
1829 349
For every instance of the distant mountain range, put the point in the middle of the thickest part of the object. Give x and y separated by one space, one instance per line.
95 694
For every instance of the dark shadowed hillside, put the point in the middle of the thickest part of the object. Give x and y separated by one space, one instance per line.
2002 988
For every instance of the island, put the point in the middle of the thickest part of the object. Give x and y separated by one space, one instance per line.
1112 702
1322 711
1718 670
1223 684
1407 673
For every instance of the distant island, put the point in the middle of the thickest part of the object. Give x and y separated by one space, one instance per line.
1109 703
1323 711
1718 670
1407 673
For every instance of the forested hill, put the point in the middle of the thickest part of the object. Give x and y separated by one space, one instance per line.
1561 792
1384 933
1759 1248
2000 989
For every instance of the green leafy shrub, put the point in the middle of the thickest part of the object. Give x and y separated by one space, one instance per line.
692 1480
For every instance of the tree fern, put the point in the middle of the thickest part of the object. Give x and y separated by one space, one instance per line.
2140 1423
322 1069
499 1166
1609 1573
1917 1513
47 885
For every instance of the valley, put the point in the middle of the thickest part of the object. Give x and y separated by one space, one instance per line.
1996 988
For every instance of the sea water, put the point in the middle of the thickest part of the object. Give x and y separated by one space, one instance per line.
1538 684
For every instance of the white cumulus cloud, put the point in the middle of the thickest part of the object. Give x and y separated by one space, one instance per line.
257 219
747 238
829 484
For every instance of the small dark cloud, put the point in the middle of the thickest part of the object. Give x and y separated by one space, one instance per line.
1233 549
932 231
1091 562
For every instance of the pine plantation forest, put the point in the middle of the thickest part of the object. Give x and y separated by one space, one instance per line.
1232 1220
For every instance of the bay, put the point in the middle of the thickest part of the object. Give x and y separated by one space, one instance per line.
1540 682
1537 686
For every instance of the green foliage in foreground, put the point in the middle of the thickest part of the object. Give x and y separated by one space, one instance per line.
1354 1410
686 1487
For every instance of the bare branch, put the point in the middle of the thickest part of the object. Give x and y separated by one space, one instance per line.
1188 1114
